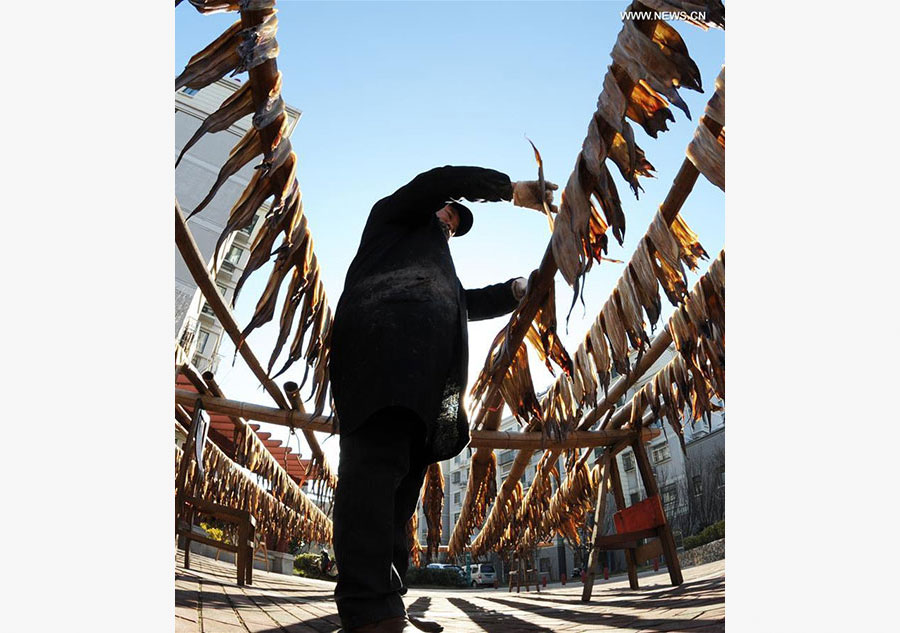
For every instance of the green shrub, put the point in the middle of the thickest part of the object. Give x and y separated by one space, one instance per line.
307 565
712 533
422 576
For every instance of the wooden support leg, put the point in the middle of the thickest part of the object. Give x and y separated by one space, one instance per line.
599 513
520 571
242 553
619 495
248 545
187 552
665 532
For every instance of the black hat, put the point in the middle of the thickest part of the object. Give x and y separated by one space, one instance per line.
465 219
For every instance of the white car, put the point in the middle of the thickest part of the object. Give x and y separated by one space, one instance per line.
483 574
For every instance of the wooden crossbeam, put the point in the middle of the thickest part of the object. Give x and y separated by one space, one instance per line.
489 439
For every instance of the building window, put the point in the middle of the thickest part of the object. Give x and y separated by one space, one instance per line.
456 518
202 340
223 290
505 470
635 497
506 457
189 91
697 485
234 255
628 461
544 564
661 453
722 477
456 497
669 496
455 477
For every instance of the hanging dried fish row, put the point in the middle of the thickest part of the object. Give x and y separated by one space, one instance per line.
650 63
707 150
480 495
432 506
698 330
247 48
569 505
516 385
533 505
412 537
619 327
500 528
227 484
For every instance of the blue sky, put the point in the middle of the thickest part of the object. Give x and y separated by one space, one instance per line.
391 89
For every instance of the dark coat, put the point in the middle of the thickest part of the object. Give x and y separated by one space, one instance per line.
400 337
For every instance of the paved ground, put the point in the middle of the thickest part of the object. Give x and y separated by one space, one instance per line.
208 600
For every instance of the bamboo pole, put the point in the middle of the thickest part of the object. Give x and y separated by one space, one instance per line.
488 439
192 257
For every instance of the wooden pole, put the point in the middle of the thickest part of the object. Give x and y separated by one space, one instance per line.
491 439
599 513
664 532
619 497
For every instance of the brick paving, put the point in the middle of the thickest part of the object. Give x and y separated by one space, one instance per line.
208 600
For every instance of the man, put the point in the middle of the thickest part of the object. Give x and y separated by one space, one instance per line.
399 354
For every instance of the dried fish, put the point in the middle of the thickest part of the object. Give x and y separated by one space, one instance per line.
234 108
644 283
707 153
257 43
615 333
600 354
611 104
249 147
212 63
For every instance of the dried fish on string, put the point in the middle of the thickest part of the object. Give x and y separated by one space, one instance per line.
275 221
412 538
258 43
480 494
615 334
432 505
517 388
249 147
219 58
707 153
654 60
234 108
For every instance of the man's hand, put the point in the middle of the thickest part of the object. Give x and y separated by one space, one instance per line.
527 193
521 286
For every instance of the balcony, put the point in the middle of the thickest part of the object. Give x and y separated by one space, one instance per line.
202 363
188 333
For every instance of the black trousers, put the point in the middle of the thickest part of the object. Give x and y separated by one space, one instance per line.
379 480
